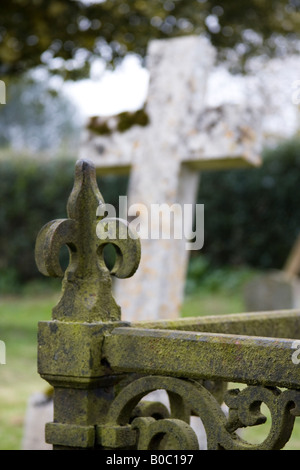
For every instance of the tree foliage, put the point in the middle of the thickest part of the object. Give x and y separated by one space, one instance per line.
38 117
33 32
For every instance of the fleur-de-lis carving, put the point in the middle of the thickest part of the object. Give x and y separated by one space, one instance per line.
87 285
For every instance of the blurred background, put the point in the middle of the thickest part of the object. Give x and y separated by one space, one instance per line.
63 62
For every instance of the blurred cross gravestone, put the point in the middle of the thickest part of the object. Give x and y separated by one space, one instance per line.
163 147
276 290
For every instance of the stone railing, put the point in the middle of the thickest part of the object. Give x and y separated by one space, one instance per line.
102 368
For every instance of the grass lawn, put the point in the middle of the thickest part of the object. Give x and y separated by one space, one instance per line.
19 379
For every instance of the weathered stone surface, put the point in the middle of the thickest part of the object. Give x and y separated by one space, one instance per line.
164 159
208 356
86 298
87 286
102 372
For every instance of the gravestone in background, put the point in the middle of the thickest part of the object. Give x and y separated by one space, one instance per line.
276 290
174 138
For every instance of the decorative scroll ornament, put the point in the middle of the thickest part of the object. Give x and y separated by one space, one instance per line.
173 432
87 286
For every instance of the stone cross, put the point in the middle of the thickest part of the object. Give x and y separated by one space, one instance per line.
174 137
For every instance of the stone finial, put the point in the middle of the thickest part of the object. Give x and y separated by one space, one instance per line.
87 285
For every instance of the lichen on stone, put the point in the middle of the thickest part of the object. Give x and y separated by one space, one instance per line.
118 123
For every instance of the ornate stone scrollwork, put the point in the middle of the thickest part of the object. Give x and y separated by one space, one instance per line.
99 397
244 410
173 432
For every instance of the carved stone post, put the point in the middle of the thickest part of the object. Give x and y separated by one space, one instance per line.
102 372
69 346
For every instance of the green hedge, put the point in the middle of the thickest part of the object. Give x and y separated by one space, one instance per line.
252 216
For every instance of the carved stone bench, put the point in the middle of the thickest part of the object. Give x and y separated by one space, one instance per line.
101 368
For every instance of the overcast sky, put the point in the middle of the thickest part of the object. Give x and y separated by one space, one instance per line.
111 92
274 86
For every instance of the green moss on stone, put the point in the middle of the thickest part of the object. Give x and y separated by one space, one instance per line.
127 120
100 128
121 122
